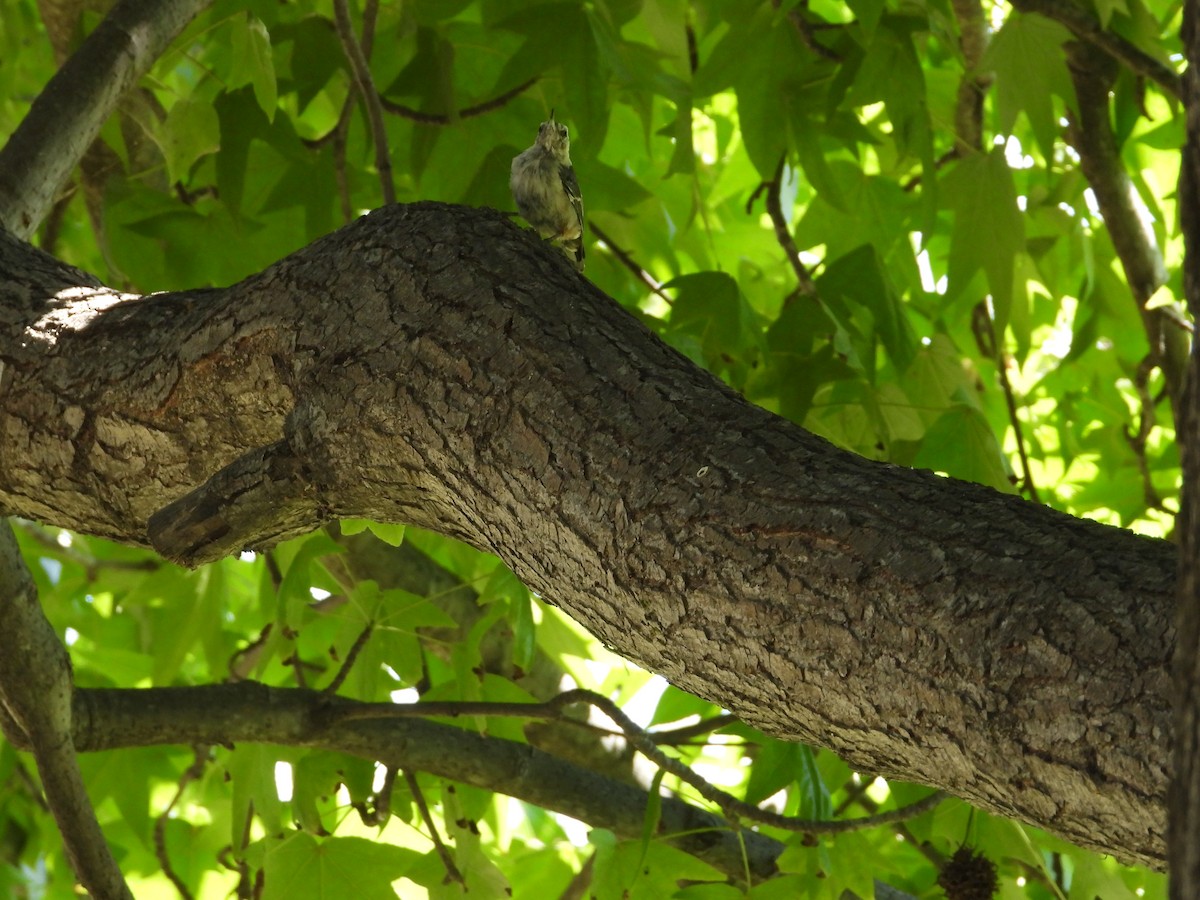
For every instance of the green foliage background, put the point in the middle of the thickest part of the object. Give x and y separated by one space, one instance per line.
936 273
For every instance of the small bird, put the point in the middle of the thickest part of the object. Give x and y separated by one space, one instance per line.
546 191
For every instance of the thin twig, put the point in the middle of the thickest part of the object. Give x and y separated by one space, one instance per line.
469 112
382 809
914 182
1146 422
273 570
351 657
452 873
1002 362
370 97
577 889
641 741
630 263
370 14
784 235
859 795
670 736
243 661
190 774
805 31
991 345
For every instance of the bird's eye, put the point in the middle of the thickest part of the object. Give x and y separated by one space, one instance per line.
562 131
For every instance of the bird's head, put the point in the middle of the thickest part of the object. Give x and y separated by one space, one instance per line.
553 137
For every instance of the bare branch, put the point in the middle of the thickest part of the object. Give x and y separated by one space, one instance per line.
250 712
783 234
361 70
427 118
973 37
629 262
1183 803
1081 24
1137 440
351 657
68 113
452 873
36 694
1092 136
806 33
190 774
991 345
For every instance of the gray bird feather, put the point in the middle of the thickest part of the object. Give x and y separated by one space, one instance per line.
546 190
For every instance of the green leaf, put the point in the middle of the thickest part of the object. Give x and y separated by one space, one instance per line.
814 795
316 55
1027 58
674 705
988 228
775 765
251 769
484 879
316 776
190 131
873 210
253 63
195 610
960 443
560 36
429 75
623 872
856 290
295 592
390 534
301 867
711 315
608 188
524 631
653 816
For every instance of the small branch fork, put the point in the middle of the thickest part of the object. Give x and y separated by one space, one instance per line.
991 345
357 56
1088 29
773 189
644 743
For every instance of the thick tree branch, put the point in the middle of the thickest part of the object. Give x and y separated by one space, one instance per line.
1092 136
35 697
434 365
973 36
1084 26
69 112
1185 788
250 712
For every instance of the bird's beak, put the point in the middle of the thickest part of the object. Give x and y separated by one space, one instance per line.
551 115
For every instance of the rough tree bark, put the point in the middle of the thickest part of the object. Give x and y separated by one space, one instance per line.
1185 793
434 365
